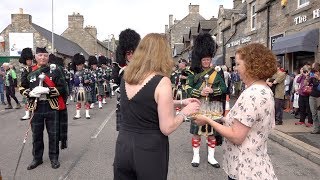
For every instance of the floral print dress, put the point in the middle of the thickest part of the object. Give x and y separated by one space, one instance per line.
255 109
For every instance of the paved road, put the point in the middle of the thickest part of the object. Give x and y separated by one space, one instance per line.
91 151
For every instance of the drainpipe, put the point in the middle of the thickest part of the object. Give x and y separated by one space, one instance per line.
268 25
223 49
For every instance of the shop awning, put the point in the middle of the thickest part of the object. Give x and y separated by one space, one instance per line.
301 41
217 60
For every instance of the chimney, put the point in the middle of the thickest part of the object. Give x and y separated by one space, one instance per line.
75 21
166 29
91 30
193 9
170 20
20 19
236 3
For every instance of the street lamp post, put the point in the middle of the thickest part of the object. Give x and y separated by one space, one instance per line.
52 39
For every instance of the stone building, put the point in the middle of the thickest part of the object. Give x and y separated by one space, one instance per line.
290 29
86 37
23 33
178 28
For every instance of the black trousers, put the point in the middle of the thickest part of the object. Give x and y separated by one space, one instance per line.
44 115
10 92
141 156
279 104
304 108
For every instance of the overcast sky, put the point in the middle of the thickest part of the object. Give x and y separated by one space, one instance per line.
109 16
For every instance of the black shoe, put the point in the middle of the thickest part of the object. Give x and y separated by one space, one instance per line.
297 116
34 164
279 122
55 163
3 103
9 107
215 165
315 132
194 164
64 145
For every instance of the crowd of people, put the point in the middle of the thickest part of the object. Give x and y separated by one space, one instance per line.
154 97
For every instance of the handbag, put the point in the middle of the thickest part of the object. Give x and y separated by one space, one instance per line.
307 90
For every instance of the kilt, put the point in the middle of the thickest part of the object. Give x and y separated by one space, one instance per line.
100 89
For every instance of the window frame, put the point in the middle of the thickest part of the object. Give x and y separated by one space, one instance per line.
304 4
253 16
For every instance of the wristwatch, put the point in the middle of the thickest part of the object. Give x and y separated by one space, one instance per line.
185 118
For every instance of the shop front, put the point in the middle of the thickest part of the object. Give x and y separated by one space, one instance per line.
298 49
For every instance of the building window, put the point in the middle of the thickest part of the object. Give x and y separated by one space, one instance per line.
302 3
253 16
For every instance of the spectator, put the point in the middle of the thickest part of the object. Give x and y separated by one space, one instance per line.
2 75
10 84
147 112
304 94
314 98
277 80
251 119
236 82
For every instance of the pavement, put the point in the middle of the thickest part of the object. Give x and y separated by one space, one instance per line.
297 138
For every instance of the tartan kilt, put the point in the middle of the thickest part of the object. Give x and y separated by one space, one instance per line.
205 130
100 89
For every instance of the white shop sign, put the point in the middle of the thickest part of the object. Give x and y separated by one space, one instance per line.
239 41
303 18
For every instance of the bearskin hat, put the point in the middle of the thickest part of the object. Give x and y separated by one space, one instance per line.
56 60
26 54
204 46
92 60
128 41
102 60
77 60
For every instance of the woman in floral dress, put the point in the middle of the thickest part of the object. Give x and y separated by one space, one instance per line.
251 120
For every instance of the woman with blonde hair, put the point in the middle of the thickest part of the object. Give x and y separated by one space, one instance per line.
147 110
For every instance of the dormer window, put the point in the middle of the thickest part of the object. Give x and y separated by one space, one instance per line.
253 16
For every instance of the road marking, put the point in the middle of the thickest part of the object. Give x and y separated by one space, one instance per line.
102 125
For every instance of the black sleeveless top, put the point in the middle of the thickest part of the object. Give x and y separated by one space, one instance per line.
140 113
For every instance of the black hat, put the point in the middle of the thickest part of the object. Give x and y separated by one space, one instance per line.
78 59
204 46
102 60
26 54
128 41
41 50
92 60
55 60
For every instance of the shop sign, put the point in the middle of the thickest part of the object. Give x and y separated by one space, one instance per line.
274 38
239 41
303 18
300 19
316 13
